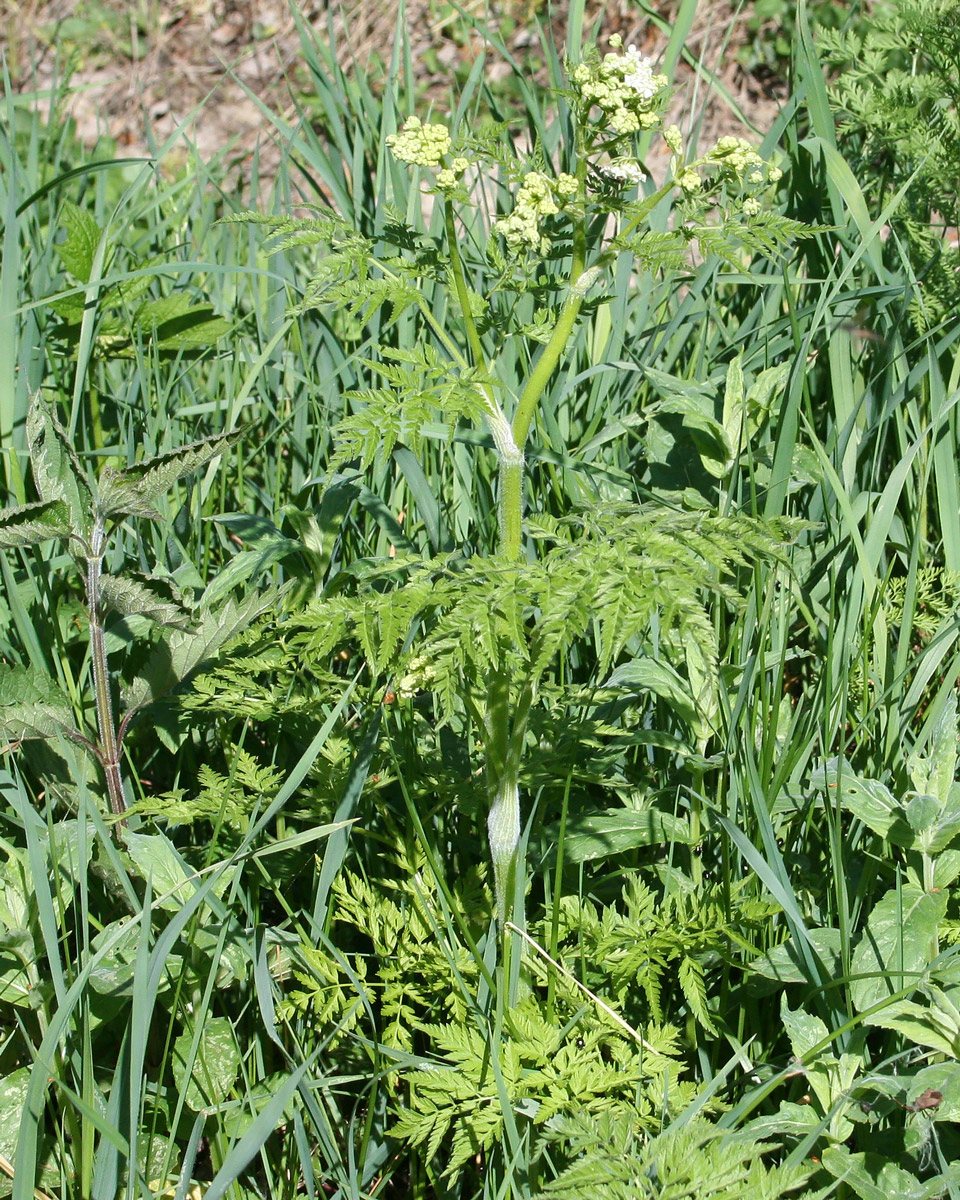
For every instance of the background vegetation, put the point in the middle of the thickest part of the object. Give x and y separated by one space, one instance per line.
283 975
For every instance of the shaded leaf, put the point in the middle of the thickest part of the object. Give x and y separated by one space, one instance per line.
785 962
183 651
215 1067
156 859
618 830
56 469
130 597
874 1177
869 800
31 705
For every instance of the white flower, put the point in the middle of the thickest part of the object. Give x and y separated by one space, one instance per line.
623 171
639 76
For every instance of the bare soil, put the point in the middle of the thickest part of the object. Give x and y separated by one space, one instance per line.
146 73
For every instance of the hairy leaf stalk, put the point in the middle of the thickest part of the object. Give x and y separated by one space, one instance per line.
109 742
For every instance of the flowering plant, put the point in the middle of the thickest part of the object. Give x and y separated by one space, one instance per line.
480 638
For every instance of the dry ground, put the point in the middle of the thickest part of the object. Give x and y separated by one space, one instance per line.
146 68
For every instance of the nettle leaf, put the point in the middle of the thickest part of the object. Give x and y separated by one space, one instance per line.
131 597
31 705
28 524
206 1082
899 943
133 490
79 248
177 324
56 469
183 651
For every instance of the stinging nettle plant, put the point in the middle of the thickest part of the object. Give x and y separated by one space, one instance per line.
480 633
83 513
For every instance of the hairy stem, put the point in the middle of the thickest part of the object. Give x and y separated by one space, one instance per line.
109 745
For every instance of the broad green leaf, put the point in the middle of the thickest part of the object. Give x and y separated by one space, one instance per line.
56 469
133 490
933 773
131 597
803 1029
874 1177
183 651
733 420
869 800
763 387
706 432
78 249
946 869
654 675
935 828
156 859
13 1096
237 1116
620 829
114 973
785 962
31 705
899 943
29 524
214 1069
192 330
15 985
924 1026
942 1077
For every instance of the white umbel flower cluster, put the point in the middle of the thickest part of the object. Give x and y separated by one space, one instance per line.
624 86
420 145
537 198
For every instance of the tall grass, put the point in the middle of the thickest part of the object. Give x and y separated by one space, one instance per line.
225 951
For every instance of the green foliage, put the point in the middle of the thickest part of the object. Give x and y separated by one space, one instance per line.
168 324
695 1159
896 95
709 642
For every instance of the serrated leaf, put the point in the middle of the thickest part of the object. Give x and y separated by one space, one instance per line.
214 1068
875 1177
31 705
734 414
183 651
13 1096
56 469
176 324
654 675
79 248
130 597
920 1025
899 943
133 490
29 524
